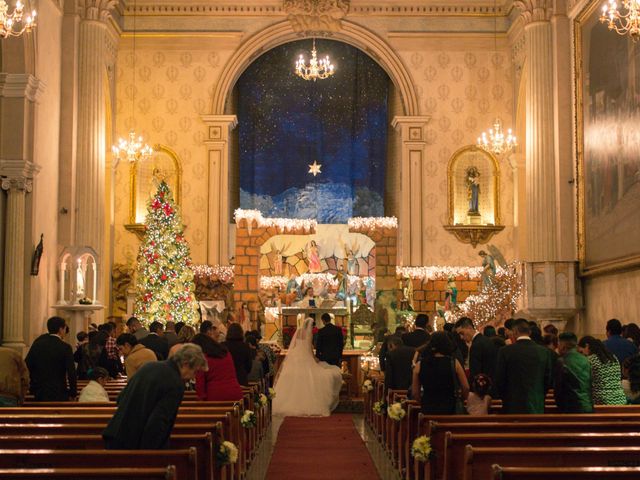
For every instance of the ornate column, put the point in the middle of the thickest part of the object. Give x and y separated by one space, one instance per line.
552 289
218 145
413 188
18 95
91 147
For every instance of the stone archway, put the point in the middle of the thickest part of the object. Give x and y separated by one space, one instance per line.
411 128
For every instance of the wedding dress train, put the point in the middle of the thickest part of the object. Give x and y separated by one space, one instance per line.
305 386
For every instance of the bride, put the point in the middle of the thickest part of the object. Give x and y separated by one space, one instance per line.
305 386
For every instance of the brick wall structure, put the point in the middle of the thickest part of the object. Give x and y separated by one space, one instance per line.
427 292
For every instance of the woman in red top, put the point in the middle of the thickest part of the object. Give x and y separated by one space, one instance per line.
219 382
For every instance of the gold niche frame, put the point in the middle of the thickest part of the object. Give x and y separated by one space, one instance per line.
466 232
134 225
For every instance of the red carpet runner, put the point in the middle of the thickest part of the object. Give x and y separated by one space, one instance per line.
320 448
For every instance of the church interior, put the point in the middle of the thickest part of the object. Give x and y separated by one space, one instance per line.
267 160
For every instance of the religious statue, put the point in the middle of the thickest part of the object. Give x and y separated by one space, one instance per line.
407 294
350 253
313 257
452 290
341 277
473 189
278 258
37 254
488 269
293 290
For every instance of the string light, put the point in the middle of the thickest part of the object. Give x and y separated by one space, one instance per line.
224 273
284 225
372 223
437 272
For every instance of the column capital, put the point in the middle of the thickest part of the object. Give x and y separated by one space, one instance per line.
218 127
411 127
532 11
20 85
99 10
17 174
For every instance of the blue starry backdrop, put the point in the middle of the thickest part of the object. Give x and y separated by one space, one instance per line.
287 123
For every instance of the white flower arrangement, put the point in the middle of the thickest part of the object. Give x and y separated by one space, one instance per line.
227 453
367 386
248 419
272 393
262 400
421 449
379 407
396 412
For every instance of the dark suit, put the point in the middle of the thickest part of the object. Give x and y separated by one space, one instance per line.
523 376
242 359
147 408
50 363
157 344
399 374
329 344
483 355
416 339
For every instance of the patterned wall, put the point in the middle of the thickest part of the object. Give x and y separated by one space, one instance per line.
462 84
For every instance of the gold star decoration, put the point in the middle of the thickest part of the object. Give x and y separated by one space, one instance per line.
314 168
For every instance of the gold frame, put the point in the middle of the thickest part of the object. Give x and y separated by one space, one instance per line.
473 234
607 267
138 228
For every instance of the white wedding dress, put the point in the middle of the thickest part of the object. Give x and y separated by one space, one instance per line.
305 386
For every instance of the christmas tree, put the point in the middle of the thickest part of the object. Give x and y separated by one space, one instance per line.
165 287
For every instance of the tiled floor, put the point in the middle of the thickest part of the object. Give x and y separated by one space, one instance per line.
260 464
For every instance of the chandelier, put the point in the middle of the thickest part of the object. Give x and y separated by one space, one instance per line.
317 69
132 149
495 141
622 23
9 21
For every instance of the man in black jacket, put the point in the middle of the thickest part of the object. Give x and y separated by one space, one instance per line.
148 405
398 373
329 342
483 353
50 363
419 336
156 342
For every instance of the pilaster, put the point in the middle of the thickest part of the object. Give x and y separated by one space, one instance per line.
218 146
413 217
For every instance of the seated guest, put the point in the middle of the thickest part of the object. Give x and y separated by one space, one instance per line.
148 405
219 382
439 376
187 332
631 384
14 378
617 345
208 328
136 328
572 387
50 363
110 358
606 388
398 374
257 372
135 354
155 340
240 352
94 391
479 400
419 336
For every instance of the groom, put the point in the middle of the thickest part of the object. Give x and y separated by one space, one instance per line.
329 343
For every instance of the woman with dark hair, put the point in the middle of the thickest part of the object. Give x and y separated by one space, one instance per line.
438 377
219 382
631 332
240 352
631 384
606 388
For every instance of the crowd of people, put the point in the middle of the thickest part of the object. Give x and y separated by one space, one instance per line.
460 369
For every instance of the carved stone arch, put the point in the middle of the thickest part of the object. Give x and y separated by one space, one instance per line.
282 32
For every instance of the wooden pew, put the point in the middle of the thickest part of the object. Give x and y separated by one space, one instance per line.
437 431
184 461
202 443
455 444
168 473
478 461
570 473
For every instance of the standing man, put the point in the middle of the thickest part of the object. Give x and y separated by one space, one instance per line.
523 373
483 353
170 333
572 388
399 372
14 378
50 363
330 342
155 341
135 327
620 347
419 336
148 405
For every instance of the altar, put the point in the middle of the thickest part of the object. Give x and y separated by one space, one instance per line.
290 315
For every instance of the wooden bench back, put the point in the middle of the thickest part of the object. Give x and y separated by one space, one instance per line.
168 473
571 473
